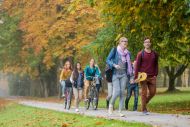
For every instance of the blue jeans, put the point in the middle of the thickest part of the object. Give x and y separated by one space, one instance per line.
63 86
119 85
131 88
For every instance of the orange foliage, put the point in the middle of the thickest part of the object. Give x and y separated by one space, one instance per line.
58 28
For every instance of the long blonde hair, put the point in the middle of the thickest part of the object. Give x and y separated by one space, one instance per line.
65 65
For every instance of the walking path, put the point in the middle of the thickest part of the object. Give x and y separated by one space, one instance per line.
155 119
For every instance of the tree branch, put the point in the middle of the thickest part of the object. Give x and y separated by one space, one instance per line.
180 70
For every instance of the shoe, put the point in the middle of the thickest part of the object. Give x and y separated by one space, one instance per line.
121 114
110 110
107 104
145 113
63 96
77 110
85 100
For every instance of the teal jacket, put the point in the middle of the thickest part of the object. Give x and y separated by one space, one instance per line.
91 72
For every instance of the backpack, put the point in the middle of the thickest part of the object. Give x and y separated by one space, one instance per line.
108 70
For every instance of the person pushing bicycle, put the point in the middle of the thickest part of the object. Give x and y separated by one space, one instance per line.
90 71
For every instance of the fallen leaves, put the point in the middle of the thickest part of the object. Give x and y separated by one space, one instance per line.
99 123
65 125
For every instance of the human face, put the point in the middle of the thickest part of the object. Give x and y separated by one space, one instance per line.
68 65
147 44
78 66
123 43
92 62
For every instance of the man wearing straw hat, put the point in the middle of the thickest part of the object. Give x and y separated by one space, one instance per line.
147 61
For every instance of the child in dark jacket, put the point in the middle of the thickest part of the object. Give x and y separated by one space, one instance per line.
133 86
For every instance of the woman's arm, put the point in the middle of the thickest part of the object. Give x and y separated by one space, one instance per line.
61 75
109 59
71 78
98 73
86 72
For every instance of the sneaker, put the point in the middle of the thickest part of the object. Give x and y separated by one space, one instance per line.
77 110
63 96
85 100
121 114
145 113
110 110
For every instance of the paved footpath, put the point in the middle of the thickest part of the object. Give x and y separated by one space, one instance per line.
155 119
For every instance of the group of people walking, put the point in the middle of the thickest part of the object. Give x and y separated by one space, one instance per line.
121 74
77 81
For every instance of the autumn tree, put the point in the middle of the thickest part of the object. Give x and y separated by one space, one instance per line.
51 31
167 22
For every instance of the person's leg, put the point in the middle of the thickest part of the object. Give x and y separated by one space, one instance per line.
116 93
129 92
123 83
152 89
69 97
98 88
63 88
75 92
144 95
110 90
80 96
86 89
136 94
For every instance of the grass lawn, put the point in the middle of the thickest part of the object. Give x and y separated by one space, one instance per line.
174 103
14 115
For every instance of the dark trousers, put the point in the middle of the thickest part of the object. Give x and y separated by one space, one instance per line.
131 88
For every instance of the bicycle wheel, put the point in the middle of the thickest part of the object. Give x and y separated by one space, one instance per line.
87 103
65 103
69 98
94 98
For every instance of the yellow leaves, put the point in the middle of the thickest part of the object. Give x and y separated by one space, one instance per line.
65 125
132 8
133 30
55 33
99 123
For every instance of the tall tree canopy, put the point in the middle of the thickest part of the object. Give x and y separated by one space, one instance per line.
167 22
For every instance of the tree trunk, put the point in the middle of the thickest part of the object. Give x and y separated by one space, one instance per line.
171 84
173 74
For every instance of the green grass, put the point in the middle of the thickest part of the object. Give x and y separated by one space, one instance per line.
15 115
175 103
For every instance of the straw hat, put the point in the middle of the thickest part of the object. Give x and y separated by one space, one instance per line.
141 76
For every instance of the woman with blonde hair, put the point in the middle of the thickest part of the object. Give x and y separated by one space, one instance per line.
119 61
65 76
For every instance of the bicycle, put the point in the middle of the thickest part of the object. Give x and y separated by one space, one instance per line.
68 97
93 95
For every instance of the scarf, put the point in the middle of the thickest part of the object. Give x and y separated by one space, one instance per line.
125 57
